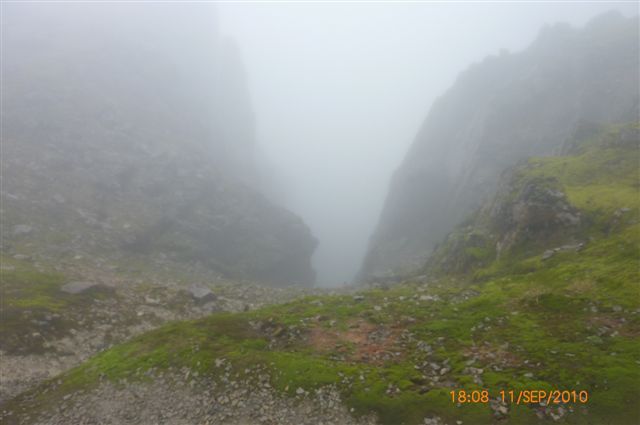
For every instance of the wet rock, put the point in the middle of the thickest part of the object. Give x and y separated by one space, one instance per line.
151 301
201 294
569 219
78 287
428 298
548 254
210 307
556 193
423 346
621 211
22 229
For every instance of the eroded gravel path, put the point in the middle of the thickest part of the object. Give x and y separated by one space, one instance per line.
170 399
132 311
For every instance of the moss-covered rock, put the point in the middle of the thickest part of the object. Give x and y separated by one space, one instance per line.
154 160
502 110
548 205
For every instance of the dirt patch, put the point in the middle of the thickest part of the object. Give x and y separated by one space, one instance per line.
362 342
606 325
487 354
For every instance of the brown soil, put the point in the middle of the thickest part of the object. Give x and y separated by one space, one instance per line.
623 328
362 342
493 355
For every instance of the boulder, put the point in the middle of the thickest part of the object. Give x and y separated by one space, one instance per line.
201 294
78 287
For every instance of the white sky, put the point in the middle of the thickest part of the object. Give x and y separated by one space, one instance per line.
340 89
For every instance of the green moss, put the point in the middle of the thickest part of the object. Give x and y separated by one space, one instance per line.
34 308
568 322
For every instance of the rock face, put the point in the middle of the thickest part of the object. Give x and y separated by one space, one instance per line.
499 111
132 138
532 215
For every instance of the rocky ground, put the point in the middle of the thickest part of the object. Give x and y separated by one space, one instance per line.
179 398
542 313
130 307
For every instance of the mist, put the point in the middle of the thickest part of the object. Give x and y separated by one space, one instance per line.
355 213
340 91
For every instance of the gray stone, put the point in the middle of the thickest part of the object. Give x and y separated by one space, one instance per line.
151 301
77 287
201 294
22 229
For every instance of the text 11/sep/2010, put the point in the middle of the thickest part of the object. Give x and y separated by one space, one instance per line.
521 396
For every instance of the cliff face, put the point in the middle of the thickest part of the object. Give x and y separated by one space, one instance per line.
545 207
128 133
502 110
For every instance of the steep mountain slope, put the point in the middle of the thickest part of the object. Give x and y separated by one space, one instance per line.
549 205
522 320
127 139
499 111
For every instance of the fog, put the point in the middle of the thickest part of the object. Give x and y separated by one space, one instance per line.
332 94
340 90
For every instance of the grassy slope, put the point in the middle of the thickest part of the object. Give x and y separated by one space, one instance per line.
570 322
34 308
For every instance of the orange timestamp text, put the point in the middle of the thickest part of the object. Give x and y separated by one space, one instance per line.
521 396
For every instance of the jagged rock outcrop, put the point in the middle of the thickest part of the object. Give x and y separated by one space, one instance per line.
128 134
499 111
534 212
